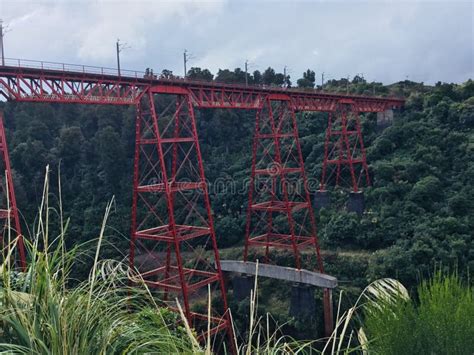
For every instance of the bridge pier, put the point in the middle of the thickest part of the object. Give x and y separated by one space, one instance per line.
243 285
304 282
322 199
356 202
302 303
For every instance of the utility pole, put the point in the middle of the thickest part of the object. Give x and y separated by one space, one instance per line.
118 55
185 60
246 72
322 80
120 47
286 76
1 42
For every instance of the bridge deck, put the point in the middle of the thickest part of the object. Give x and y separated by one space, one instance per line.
25 80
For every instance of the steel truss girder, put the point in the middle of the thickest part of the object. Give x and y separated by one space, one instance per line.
25 86
9 216
61 86
172 224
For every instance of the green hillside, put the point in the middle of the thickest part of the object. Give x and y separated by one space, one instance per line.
419 210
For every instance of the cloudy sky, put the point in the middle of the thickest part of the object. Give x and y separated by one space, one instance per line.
384 40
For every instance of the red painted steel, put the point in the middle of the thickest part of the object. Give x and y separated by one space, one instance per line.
173 243
280 213
344 152
8 209
32 85
34 81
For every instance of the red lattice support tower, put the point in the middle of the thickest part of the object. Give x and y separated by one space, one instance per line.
11 228
173 243
345 160
280 213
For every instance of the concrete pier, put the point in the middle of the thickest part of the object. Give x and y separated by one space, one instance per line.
302 304
243 284
322 199
356 202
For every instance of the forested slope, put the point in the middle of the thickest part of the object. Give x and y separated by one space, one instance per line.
419 210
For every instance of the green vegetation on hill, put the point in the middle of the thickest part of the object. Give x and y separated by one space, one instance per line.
420 208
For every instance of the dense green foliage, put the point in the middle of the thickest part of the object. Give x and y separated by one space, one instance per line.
420 210
439 321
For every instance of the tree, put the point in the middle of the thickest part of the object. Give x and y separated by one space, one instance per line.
279 79
71 141
109 149
196 73
239 75
268 76
257 77
167 74
225 76
358 79
308 80
426 191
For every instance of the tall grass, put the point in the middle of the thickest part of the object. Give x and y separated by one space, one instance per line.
40 314
440 320
260 339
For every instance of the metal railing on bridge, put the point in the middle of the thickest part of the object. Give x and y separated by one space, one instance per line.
168 76
67 67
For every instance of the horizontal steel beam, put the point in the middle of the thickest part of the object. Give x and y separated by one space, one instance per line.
280 272
31 84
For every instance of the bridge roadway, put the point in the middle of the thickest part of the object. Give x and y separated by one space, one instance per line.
33 81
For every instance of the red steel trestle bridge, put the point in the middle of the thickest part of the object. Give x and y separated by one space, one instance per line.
172 220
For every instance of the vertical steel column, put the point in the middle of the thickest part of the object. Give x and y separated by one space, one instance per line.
322 185
136 161
356 114
170 231
220 278
9 213
344 149
248 224
349 156
278 185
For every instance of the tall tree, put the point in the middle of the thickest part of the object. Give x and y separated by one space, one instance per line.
196 73
257 77
308 80
268 76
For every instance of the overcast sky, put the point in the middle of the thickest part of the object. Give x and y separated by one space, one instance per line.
387 41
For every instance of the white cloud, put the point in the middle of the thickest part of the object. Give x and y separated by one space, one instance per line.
385 40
